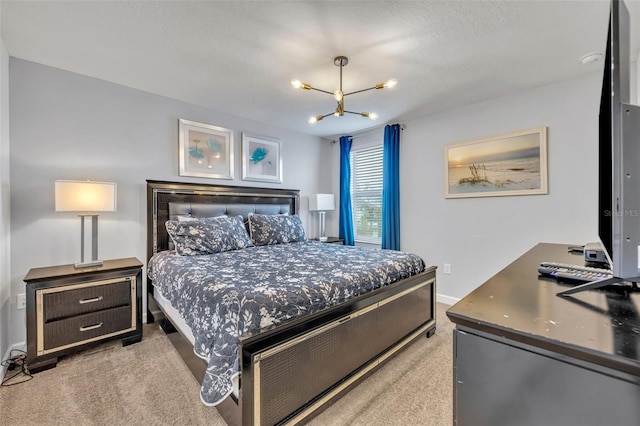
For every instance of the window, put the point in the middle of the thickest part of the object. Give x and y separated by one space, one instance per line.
366 194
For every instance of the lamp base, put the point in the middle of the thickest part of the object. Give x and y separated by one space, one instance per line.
88 264
322 237
94 242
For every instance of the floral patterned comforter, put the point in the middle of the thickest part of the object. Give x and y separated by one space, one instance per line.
225 295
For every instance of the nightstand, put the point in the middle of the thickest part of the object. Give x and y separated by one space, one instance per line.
330 240
70 309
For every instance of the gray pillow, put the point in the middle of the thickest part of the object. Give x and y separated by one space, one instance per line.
275 229
208 235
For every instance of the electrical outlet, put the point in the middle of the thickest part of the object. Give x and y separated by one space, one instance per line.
447 268
21 301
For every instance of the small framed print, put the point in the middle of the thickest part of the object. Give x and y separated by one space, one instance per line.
205 150
511 164
261 159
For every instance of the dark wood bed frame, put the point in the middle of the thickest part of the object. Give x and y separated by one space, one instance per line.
290 372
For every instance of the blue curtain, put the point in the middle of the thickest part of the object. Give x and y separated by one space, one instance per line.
345 227
391 188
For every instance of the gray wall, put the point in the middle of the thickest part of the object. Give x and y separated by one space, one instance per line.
68 126
479 236
5 270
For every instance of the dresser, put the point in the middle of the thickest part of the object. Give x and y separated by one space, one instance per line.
525 356
69 309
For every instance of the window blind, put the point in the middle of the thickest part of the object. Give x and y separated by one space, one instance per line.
366 194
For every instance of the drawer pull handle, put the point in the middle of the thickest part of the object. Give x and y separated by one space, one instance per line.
95 299
91 327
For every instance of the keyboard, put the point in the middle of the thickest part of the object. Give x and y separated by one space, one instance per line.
563 271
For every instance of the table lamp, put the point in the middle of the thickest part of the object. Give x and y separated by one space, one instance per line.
88 198
322 203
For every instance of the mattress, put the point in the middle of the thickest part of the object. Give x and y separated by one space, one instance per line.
226 295
174 317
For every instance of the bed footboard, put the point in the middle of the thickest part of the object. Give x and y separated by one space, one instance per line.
288 382
293 372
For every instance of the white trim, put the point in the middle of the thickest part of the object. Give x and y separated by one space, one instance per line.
448 300
3 369
369 244
22 346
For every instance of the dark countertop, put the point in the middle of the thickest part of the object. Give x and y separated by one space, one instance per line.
598 326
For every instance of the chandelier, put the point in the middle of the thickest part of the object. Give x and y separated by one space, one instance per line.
339 95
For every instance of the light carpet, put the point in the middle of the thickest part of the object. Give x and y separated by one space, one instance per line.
147 383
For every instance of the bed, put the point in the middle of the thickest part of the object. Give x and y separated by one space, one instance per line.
299 350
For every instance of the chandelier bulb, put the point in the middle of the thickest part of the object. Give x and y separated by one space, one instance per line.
300 85
387 84
338 95
390 84
315 119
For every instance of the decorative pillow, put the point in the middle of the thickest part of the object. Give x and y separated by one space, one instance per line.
275 229
208 235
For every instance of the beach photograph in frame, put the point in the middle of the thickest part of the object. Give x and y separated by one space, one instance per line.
205 150
261 159
511 164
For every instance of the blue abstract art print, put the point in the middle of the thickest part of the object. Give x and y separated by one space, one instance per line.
205 150
261 159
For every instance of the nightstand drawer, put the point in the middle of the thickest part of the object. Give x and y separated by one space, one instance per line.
88 297
83 328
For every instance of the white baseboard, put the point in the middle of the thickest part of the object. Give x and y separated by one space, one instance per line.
448 300
17 346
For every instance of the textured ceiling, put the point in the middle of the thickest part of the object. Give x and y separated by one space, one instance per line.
240 56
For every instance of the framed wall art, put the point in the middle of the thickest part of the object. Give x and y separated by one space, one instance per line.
205 150
511 164
261 159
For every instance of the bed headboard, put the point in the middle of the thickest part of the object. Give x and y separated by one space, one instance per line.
167 200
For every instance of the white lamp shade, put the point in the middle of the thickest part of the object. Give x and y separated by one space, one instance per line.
85 196
322 202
